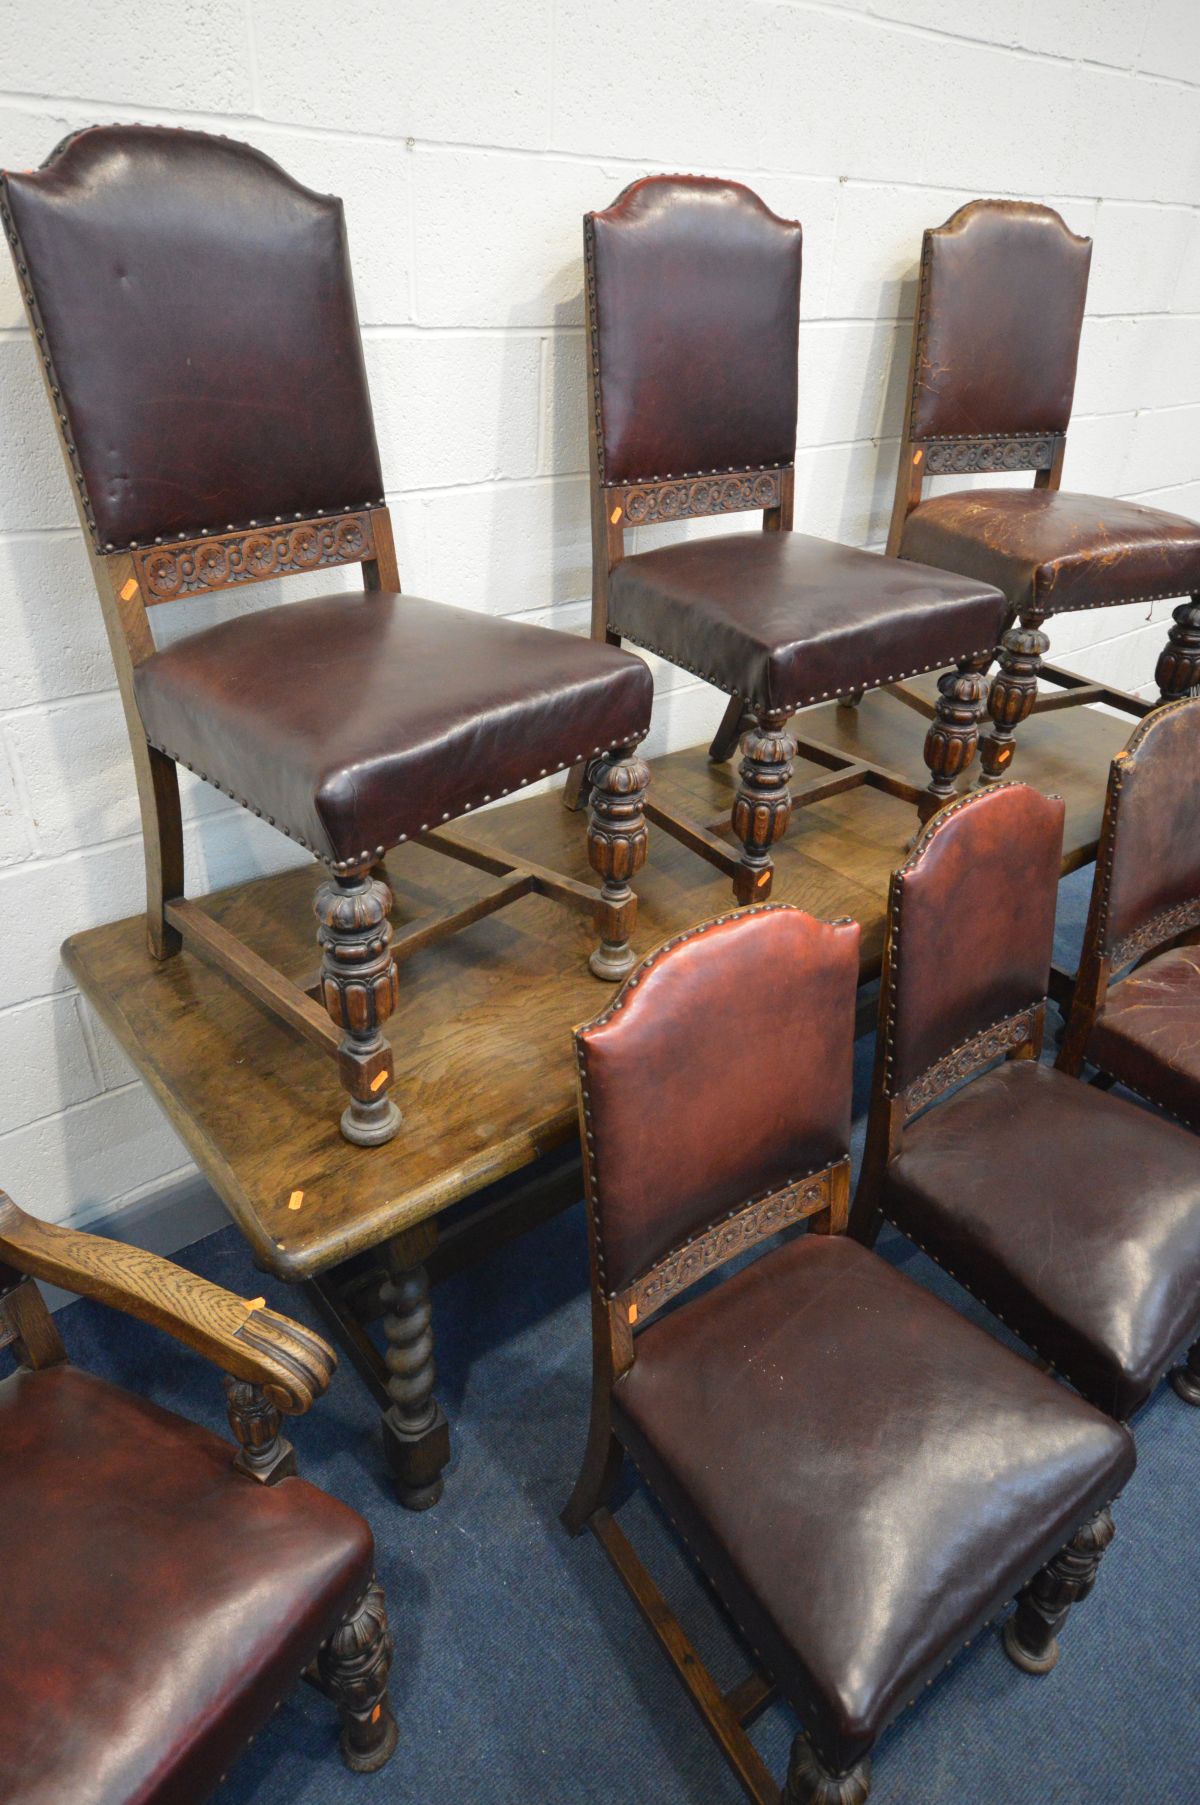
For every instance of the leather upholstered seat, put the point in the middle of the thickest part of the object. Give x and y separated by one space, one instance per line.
166 1605
450 708
1050 551
1072 1214
1147 1032
785 620
865 1476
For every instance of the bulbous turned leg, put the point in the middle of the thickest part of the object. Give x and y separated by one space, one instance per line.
1178 670
1013 693
264 1455
1186 1378
617 841
1030 1636
954 731
809 1783
416 1436
360 988
762 805
353 1667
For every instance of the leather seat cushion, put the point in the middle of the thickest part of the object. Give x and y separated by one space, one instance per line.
1073 1215
1148 1032
866 1476
354 721
1052 551
784 620
157 1604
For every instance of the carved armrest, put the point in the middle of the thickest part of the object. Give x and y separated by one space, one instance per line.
292 1365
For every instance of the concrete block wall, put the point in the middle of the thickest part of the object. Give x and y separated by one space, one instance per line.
467 140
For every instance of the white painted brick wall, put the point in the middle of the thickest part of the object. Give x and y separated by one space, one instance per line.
467 139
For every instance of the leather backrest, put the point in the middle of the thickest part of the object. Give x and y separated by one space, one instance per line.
1150 856
694 305
197 312
971 924
721 1072
1003 285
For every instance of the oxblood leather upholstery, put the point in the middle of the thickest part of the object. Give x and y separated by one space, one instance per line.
1072 1214
219 376
354 721
1147 891
1003 285
785 620
1051 552
975 908
866 1476
1152 879
664 1168
160 1604
697 299
1147 1033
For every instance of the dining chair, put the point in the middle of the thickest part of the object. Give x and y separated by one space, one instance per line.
1071 1214
693 303
864 1477
194 316
995 345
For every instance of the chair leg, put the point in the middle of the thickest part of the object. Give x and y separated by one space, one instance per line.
162 835
602 1463
1186 1378
360 988
1013 693
762 805
416 1436
809 1783
1030 1635
617 841
734 723
954 731
353 1669
1178 670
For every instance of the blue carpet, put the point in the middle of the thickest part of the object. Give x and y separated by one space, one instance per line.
523 1673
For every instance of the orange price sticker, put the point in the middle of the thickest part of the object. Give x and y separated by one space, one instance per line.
295 1200
129 589
378 1081
615 515
633 1312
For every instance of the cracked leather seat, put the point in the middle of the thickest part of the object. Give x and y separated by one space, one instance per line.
1051 552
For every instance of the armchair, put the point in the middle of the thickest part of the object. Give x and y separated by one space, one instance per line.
162 1593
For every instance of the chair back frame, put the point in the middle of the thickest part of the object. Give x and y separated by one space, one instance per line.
1104 955
821 1198
618 507
925 455
1016 1036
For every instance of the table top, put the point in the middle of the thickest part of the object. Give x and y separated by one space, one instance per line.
484 1072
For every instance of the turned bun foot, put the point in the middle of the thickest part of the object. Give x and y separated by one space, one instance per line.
1025 1658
